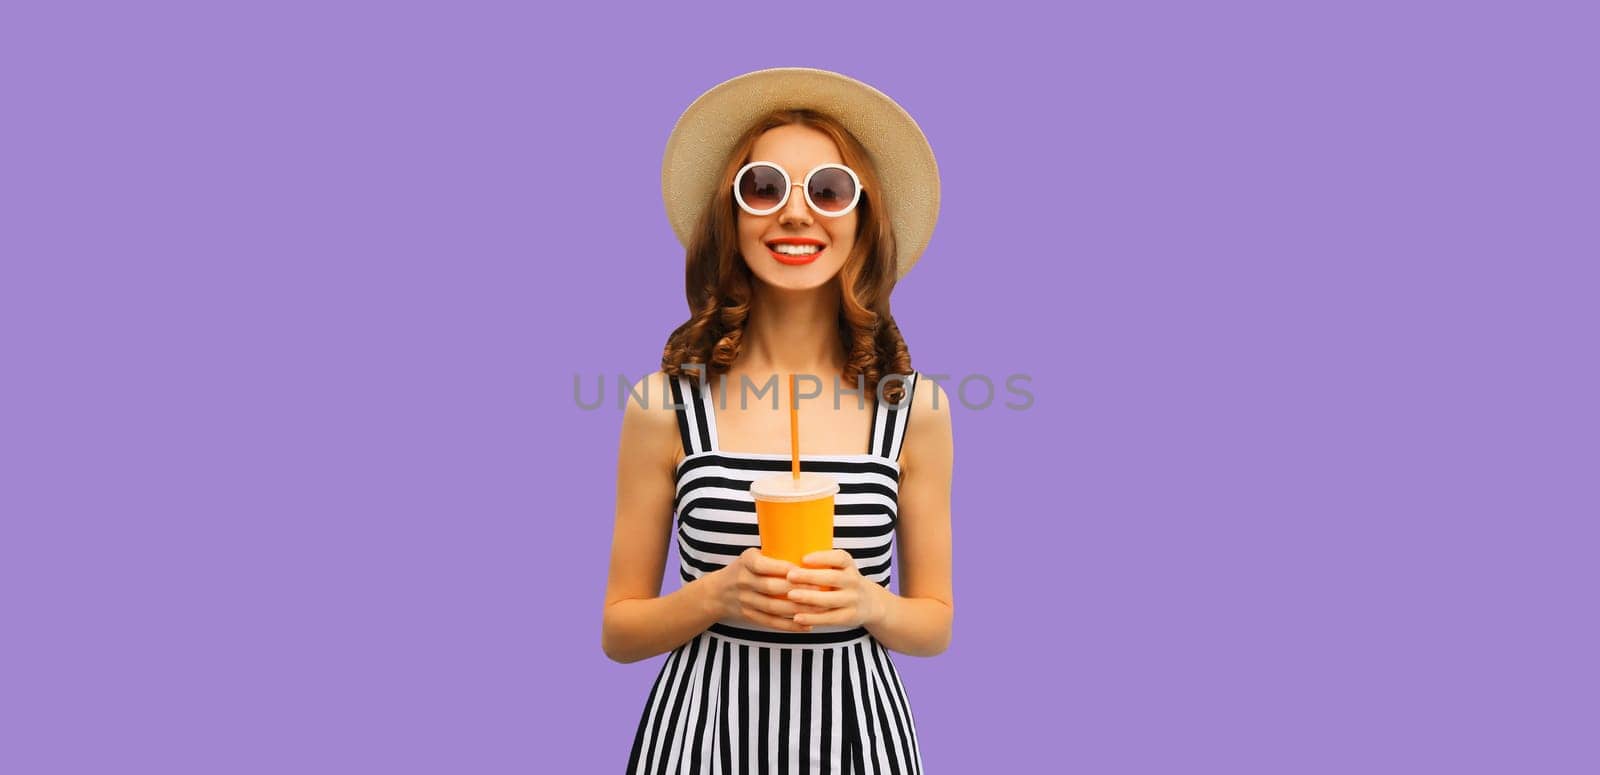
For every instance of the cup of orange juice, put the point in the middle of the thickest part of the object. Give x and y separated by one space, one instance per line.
794 516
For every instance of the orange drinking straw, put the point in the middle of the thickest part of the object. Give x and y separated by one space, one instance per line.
794 429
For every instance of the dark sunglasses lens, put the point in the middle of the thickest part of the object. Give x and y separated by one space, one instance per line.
832 189
761 187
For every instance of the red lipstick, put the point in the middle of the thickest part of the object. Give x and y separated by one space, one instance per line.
795 260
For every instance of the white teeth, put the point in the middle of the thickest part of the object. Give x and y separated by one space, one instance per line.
796 250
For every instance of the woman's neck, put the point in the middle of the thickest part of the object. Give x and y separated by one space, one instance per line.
793 332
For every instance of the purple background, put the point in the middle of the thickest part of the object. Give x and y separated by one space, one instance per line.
292 299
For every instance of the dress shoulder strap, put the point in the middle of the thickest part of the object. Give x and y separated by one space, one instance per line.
694 421
889 420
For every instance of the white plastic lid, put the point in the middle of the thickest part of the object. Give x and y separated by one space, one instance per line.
784 487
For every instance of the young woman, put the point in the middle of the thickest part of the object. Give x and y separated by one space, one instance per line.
802 196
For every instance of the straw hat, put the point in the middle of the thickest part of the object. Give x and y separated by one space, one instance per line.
706 132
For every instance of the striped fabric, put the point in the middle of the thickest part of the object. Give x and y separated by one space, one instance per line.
742 698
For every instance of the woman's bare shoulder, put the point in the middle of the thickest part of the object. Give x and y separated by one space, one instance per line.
929 398
649 420
928 432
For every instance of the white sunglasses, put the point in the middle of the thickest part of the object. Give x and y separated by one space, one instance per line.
762 188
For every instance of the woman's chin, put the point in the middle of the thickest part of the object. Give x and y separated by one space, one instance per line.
792 280
789 277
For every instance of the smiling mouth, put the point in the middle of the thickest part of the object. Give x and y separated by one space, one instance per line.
794 255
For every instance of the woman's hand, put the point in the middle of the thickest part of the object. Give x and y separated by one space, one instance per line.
845 596
753 588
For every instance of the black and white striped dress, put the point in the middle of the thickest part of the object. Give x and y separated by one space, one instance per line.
741 698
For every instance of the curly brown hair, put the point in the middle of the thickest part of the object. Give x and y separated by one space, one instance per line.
717 280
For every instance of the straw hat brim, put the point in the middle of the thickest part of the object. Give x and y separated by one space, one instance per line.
705 134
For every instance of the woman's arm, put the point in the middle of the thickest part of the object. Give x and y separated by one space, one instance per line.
637 624
918 620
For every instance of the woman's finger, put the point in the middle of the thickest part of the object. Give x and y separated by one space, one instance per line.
821 578
824 600
845 615
777 587
775 622
766 566
832 558
777 606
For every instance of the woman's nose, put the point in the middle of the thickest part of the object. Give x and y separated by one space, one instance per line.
795 210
